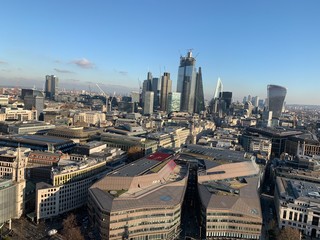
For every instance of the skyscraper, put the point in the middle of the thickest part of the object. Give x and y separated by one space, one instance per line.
187 82
146 86
166 88
219 89
51 86
173 102
156 88
199 96
227 98
148 103
276 96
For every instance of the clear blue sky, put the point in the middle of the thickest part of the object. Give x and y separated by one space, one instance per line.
248 44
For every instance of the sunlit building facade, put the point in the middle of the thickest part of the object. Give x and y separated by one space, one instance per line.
276 96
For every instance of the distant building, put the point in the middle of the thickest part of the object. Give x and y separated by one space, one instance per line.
276 96
173 102
51 86
148 103
166 88
219 89
156 88
227 98
17 114
186 84
33 99
199 95
4 100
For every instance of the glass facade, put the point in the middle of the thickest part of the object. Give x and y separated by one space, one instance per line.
276 96
174 102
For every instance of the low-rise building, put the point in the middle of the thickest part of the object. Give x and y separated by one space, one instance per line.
69 183
298 205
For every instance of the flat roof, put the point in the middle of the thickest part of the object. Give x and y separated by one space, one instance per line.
135 168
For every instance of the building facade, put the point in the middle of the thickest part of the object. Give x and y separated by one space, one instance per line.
276 96
51 86
166 88
173 102
187 82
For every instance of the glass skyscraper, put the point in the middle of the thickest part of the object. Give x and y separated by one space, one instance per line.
51 86
276 96
187 82
174 102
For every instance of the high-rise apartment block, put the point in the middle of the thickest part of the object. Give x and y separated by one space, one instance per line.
51 86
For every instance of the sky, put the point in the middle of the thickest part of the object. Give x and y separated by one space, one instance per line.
248 44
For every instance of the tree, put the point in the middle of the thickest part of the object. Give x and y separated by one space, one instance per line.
71 230
289 233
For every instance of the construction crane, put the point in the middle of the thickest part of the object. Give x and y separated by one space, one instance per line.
105 95
108 103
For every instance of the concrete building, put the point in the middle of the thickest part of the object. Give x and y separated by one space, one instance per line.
228 189
142 200
17 114
298 205
29 127
166 88
125 142
90 118
69 183
12 183
33 99
51 86
4 100
148 103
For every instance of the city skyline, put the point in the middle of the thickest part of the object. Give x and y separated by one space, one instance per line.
248 45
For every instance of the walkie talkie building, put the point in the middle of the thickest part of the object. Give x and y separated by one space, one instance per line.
276 96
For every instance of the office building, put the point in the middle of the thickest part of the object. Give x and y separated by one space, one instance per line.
199 95
186 84
142 200
148 103
156 88
297 205
166 88
33 99
51 86
173 102
4 100
227 98
228 189
146 86
12 182
17 114
69 182
219 89
276 96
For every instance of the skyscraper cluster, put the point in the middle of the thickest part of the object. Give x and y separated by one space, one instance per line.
189 96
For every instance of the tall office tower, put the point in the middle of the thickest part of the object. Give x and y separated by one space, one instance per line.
33 99
219 89
146 86
244 100
227 98
261 103
148 103
156 87
51 86
135 96
276 96
255 101
166 88
173 102
199 96
187 82
249 98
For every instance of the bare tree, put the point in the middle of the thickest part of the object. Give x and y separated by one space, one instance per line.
289 233
71 230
